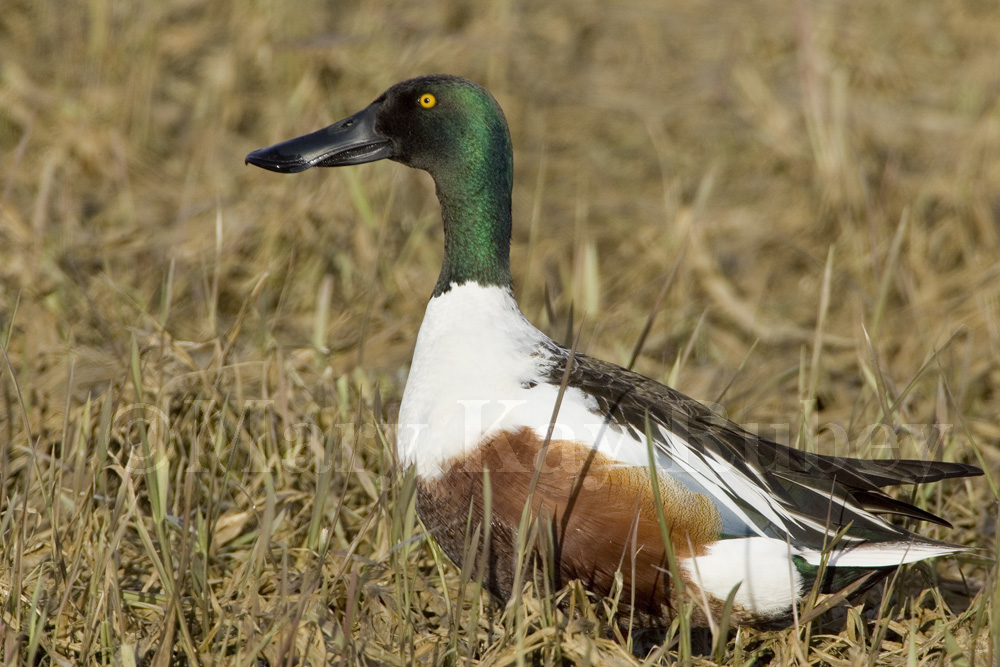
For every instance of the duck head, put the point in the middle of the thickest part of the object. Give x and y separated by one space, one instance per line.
453 129
437 123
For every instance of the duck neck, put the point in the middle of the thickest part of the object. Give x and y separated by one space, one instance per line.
475 206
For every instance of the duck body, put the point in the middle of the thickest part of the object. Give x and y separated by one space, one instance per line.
490 428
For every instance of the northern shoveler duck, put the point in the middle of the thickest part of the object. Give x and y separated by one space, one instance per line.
740 510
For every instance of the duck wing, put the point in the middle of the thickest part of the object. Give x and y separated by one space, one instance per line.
761 487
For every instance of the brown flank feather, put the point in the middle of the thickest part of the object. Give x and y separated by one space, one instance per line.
601 515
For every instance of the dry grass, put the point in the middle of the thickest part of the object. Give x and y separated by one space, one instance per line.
196 353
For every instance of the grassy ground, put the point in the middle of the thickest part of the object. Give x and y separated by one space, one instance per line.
196 354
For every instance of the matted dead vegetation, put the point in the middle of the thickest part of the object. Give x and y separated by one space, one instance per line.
196 354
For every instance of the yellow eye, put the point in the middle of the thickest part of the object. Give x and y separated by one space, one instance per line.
427 100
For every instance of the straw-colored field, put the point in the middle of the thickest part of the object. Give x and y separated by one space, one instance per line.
196 353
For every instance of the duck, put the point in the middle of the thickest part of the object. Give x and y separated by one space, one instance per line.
633 483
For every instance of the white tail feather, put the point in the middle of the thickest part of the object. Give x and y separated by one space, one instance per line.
881 554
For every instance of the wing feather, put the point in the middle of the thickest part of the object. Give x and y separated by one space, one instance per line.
776 490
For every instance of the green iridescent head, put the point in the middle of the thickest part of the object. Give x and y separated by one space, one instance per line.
453 129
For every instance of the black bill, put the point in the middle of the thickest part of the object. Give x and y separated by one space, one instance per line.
349 141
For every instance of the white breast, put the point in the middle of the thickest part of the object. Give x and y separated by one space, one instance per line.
475 356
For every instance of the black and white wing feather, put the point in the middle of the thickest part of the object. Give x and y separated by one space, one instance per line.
761 487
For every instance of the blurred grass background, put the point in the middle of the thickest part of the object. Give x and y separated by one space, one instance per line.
196 353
